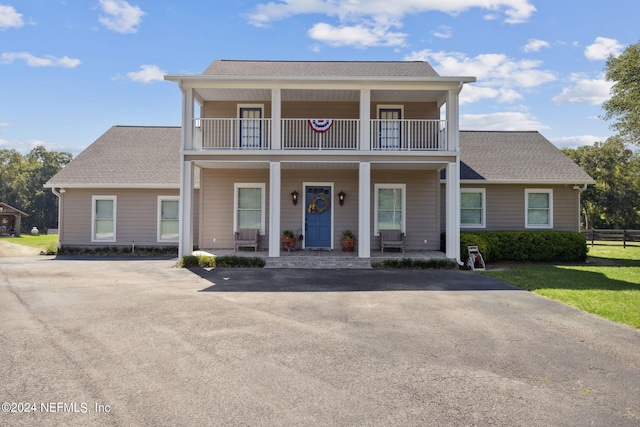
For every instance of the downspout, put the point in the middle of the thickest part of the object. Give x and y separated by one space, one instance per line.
59 196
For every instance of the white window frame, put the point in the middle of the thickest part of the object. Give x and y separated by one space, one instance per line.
483 223
94 199
528 191
159 222
403 220
263 188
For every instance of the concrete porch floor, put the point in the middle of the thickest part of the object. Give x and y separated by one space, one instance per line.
308 258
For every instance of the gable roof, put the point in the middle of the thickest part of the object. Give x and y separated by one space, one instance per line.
10 210
321 68
516 157
126 156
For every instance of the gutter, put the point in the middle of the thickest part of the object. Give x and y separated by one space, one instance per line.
59 196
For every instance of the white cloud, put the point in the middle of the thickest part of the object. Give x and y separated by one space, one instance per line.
120 16
602 48
4 125
147 74
584 90
576 141
9 18
34 61
443 32
499 77
372 20
356 35
534 45
500 121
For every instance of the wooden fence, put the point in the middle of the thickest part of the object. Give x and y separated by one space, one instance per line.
627 237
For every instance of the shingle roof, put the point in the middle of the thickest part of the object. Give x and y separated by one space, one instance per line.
126 156
321 68
515 157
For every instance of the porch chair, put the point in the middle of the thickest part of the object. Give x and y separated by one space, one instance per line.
391 239
246 237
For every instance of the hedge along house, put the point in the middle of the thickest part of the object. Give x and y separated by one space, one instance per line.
361 144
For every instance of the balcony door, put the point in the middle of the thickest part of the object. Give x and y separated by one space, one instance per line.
390 128
250 127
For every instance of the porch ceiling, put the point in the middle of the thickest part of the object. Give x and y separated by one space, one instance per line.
314 95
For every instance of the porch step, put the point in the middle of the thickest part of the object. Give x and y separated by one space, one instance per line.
318 262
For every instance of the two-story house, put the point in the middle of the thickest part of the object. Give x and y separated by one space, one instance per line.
318 148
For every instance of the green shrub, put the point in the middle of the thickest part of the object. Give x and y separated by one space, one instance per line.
416 264
525 245
229 261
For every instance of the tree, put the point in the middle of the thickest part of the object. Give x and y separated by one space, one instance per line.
22 180
624 105
614 201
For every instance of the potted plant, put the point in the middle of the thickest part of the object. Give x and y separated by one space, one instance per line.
348 241
288 241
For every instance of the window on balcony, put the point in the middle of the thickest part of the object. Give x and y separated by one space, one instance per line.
390 130
250 127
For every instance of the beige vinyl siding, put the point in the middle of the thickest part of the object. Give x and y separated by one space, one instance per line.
506 205
229 109
136 217
216 219
410 110
422 197
320 110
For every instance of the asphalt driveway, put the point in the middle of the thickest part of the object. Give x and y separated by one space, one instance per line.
137 342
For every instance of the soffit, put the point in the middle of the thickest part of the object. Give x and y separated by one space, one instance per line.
316 95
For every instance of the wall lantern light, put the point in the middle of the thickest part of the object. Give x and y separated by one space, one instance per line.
294 197
341 196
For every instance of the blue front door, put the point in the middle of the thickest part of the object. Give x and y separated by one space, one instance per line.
318 217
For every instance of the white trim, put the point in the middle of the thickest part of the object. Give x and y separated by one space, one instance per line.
304 206
94 199
159 218
528 191
117 186
483 223
403 220
262 186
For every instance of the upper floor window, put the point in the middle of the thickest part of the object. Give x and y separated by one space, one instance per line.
103 223
538 208
250 126
390 207
472 207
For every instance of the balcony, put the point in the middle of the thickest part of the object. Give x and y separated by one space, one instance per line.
316 135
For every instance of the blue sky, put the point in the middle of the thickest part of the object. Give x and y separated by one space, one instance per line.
70 69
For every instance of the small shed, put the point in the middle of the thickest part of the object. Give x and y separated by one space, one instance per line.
10 219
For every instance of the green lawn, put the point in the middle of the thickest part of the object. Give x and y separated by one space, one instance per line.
608 285
44 242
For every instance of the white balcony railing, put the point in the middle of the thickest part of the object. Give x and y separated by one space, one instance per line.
408 135
302 134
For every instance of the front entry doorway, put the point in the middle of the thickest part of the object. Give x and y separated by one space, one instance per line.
317 217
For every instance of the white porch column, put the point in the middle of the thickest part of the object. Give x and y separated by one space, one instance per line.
365 119
187 119
364 209
274 209
185 244
453 211
453 120
276 116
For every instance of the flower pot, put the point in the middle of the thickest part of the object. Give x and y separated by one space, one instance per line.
288 243
348 244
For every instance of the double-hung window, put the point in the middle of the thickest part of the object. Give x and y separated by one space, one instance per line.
538 208
103 214
249 203
472 207
390 207
168 218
